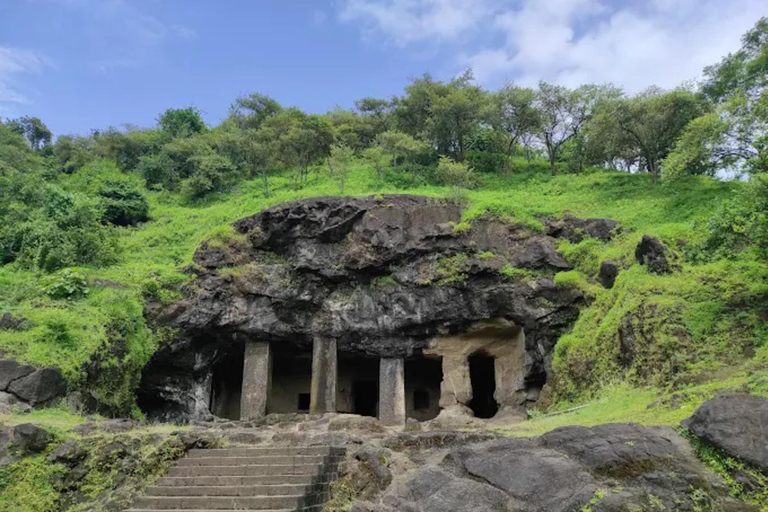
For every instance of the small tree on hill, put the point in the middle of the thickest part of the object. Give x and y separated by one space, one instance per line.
379 158
340 163
458 175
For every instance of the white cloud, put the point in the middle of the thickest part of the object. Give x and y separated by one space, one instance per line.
633 44
409 21
14 63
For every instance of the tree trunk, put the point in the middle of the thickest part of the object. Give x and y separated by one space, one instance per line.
653 166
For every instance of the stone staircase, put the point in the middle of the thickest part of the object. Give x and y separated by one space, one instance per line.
288 479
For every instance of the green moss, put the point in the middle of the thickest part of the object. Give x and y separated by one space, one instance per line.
734 472
461 228
342 496
383 281
450 269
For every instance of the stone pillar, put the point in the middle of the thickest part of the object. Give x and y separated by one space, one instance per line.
257 380
323 397
392 392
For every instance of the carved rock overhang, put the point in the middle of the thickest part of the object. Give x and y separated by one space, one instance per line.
383 275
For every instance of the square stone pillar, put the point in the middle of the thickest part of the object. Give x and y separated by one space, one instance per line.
324 373
392 391
257 380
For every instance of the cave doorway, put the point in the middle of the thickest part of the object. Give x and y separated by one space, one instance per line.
227 384
357 390
423 376
291 381
482 374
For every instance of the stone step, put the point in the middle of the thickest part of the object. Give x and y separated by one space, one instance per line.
305 509
282 460
189 481
248 470
228 490
313 508
218 502
263 451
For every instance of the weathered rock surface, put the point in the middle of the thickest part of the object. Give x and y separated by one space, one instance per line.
609 271
24 385
39 386
736 424
29 438
615 467
575 230
381 275
652 253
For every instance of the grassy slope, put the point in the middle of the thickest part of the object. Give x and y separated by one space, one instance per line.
700 298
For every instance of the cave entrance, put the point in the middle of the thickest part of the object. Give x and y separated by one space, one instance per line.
291 381
357 390
423 376
482 374
227 384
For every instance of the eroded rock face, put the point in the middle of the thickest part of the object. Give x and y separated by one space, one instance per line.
614 467
383 276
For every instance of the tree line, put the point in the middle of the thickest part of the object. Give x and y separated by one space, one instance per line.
445 132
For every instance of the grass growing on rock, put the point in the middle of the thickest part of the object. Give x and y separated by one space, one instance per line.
706 315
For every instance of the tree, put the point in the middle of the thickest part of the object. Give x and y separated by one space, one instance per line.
340 163
34 131
379 158
297 140
512 111
562 113
250 112
737 139
398 144
455 114
649 123
181 122
377 111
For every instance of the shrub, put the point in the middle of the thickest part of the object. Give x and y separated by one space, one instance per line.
67 284
487 163
122 205
456 174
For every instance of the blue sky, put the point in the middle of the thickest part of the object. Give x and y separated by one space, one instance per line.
83 64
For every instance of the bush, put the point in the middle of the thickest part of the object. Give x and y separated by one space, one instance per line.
158 171
738 224
456 174
488 163
409 175
122 205
67 284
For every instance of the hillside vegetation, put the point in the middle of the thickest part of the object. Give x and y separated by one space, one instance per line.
93 228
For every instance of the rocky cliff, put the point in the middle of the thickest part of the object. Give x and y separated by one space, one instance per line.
382 275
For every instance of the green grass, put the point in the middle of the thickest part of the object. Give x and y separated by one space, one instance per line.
620 402
717 304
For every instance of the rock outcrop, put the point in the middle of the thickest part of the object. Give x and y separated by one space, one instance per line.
382 275
652 253
614 467
735 423
25 386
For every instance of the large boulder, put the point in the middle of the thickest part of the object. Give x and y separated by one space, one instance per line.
10 370
382 275
29 439
39 387
653 254
609 271
736 424
575 230
615 467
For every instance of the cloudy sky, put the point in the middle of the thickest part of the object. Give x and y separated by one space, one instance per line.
83 64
